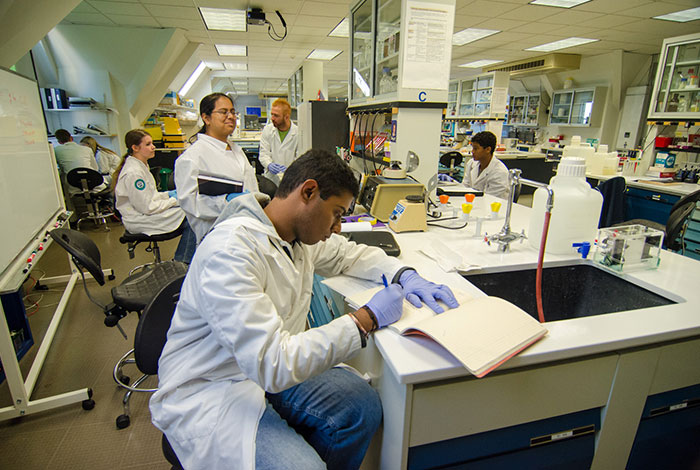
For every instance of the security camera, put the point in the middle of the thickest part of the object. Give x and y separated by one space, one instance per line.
256 16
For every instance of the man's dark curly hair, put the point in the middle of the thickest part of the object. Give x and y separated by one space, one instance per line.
485 139
333 175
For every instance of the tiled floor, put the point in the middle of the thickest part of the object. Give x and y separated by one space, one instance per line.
83 354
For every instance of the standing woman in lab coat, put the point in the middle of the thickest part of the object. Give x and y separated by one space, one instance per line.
143 208
278 142
211 154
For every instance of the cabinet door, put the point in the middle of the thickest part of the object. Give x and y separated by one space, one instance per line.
387 46
516 113
561 107
467 98
582 108
679 92
452 95
362 57
532 113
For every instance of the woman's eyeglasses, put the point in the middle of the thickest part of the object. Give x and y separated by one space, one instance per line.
225 112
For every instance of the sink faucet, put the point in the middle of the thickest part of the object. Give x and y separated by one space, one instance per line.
505 237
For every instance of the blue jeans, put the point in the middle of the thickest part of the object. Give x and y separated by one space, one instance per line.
326 422
188 242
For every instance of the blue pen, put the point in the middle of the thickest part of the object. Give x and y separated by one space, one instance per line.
386 284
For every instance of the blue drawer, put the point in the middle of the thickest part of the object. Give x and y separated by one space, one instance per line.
669 432
563 442
650 205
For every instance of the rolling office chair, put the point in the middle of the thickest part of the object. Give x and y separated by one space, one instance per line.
132 295
676 223
133 239
149 340
613 211
451 160
266 186
87 179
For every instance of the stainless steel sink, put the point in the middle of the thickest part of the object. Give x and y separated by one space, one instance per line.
569 289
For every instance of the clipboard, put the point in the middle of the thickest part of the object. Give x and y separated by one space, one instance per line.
380 238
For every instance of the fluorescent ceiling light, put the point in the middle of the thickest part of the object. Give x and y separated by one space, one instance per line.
562 44
214 65
229 49
342 29
323 54
235 66
470 35
480 63
681 16
193 78
559 3
224 19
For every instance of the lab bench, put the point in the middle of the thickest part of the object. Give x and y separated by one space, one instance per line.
575 399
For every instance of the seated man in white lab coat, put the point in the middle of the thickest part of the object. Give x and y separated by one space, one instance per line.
484 171
242 383
278 142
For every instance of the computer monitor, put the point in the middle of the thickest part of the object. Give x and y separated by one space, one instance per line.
251 122
257 110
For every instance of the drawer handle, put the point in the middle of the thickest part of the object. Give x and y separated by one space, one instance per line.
676 406
558 436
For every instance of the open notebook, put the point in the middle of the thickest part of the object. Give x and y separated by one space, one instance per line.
481 333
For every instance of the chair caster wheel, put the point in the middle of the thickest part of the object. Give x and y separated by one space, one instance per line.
88 404
111 277
125 379
123 421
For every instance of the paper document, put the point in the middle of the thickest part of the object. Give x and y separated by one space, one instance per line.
481 333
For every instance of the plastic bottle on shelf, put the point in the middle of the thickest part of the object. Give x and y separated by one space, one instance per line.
385 81
578 149
575 213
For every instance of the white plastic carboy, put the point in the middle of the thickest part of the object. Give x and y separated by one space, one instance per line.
576 209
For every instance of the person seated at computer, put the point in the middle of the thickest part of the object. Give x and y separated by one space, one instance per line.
70 155
143 208
107 161
212 154
278 142
484 172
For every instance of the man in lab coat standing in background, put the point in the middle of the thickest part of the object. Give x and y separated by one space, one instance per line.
278 143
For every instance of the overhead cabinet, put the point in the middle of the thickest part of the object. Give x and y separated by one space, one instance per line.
526 110
483 96
581 107
676 87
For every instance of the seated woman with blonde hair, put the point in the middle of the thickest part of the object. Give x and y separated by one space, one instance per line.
107 161
143 208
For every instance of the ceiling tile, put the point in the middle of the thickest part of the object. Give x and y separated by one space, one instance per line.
128 20
88 18
163 11
84 7
573 30
317 21
652 9
189 25
487 8
182 3
533 28
338 11
119 8
501 24
468 21
612 6
571 17
609 21
529 13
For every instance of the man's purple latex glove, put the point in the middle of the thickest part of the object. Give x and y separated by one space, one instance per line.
445 177
417 289
387 305
230 196
276 168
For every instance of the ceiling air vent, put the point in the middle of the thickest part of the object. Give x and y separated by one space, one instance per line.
549 63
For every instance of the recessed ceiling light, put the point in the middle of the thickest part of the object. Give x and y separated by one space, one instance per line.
480 63
562 44
323 54
223 19
341 30
681 16
470 35
235 66
559 3
230 49
193 78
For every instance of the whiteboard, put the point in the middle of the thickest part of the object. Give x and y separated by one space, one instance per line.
29 194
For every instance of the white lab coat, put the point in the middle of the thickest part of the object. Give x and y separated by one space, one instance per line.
274 150
143 208
493 180
239 330
72 155
107 162
209 155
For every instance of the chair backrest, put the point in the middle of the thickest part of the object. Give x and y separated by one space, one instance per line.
152 330
84 251
92 178
451 159
613 211
680 211
266 186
